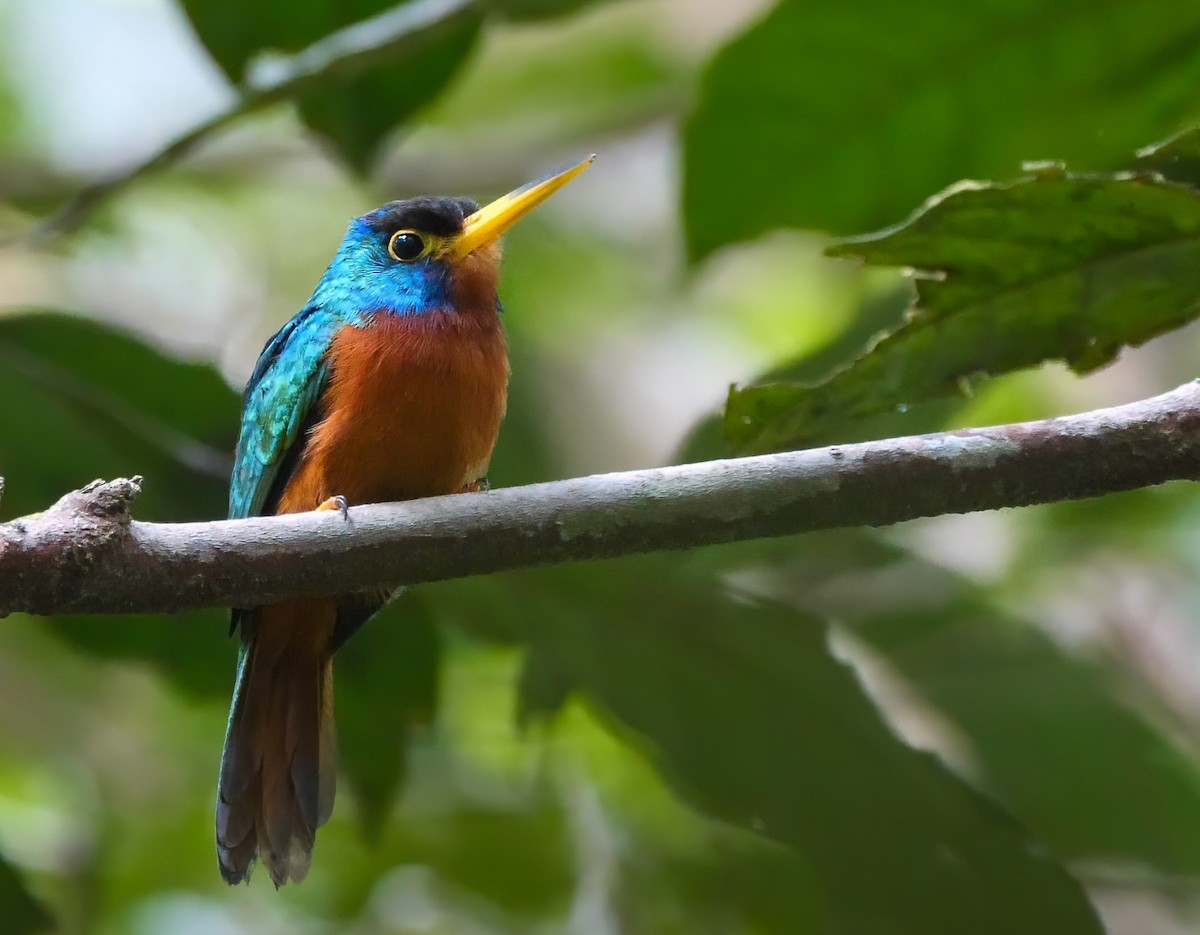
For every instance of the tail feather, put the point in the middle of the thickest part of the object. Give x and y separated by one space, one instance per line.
279 765
235 852
241 759
328 748
302 738
283 832
240 784
236 825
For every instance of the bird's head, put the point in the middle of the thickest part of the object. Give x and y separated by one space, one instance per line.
428 253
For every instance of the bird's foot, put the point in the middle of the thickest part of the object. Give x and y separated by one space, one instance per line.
337 503
478 485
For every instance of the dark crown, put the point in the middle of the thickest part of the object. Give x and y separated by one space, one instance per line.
430 214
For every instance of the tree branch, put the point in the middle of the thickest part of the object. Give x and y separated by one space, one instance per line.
390 35
85 554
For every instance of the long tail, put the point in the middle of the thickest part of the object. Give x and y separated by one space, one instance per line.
279 766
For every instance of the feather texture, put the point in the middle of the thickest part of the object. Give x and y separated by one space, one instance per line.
279 767
389 385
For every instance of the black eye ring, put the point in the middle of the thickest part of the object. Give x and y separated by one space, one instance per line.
406 246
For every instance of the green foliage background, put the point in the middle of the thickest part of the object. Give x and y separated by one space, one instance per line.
983 724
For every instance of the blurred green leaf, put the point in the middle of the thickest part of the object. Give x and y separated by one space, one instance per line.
879 313
193 650
1051 266
22 914
387 685
234 33
524 454
765 889
354 112
747 714
1058 736
519 858
95 402
1177 159
1073 761
1146 523
843 116
539 9
534 94
10 118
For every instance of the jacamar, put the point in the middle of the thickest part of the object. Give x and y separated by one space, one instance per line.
389 384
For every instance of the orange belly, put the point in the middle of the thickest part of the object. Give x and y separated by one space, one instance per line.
412 410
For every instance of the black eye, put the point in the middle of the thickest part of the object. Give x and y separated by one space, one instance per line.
406 246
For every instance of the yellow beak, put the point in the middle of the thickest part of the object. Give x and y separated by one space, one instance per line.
492 220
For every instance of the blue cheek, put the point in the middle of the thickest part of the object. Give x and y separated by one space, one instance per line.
360 282
414 288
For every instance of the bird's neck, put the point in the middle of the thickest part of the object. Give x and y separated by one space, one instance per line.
472 283
466 287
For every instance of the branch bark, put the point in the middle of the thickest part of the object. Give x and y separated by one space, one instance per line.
85 554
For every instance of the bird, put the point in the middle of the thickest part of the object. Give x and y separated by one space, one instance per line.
389 384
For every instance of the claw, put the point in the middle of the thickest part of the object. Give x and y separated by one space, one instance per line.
337 503
478 485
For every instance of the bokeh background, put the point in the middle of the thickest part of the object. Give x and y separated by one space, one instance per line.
633 746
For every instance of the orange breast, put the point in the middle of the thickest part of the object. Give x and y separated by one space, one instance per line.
412 410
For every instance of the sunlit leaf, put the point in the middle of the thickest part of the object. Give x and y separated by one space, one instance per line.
1049 267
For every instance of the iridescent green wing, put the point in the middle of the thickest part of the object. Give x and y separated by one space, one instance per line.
288 380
